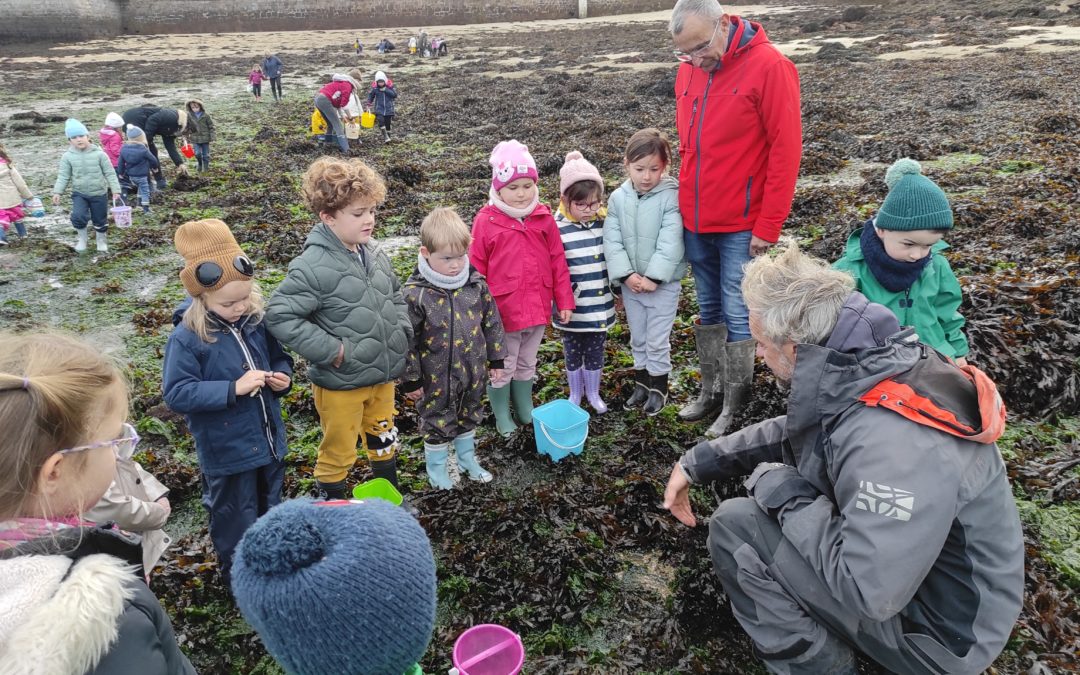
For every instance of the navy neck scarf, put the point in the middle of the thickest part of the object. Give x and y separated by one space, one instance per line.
894 275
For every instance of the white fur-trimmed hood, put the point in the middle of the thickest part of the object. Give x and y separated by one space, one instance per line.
70 630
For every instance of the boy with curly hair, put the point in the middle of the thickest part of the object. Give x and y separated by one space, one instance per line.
341 308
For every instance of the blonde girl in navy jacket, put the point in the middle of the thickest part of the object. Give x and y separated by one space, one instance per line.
226 373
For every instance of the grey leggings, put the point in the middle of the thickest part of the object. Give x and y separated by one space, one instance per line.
333 118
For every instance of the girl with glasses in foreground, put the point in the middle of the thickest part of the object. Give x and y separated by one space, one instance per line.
75 601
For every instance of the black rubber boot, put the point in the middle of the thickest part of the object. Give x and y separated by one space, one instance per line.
387 468
658 393
640 395
333 490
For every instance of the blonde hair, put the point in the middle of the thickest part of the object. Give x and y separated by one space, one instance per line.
5 156
51 394
443 229
331 183
795 297
197 317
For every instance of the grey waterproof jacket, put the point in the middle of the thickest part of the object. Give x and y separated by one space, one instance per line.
330 297
896 517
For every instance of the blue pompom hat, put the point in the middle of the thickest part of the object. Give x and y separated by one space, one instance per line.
73 128
338 587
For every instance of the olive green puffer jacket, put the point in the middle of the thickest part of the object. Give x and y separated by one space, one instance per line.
330 298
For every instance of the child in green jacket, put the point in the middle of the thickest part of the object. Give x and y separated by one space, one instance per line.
88 170
341 308
896 260
204 133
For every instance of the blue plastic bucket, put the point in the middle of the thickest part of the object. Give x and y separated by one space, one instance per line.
561 429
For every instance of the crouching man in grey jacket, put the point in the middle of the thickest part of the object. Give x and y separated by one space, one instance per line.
880 516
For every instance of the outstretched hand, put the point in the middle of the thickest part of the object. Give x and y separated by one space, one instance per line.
677 497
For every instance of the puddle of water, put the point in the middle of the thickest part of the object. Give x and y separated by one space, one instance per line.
617 56
394 245
849 176
1035 38
813 44
514 61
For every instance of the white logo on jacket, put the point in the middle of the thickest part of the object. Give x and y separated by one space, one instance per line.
885 500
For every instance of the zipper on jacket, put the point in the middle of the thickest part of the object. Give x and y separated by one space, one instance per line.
697 146
693 117
749 182
262 403
450 360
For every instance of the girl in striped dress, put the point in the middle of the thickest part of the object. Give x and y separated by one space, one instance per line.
580 219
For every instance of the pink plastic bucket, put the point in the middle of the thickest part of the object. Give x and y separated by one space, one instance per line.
488 649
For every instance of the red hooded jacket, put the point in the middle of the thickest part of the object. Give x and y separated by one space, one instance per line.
740 138
524 263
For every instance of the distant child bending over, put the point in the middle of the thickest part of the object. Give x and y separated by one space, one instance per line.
340 307
111 137
457 343
137 163
91 175
74 602
516 246
580 219
333 99
896 260
643 244
256 78
381 100
13 191
136 502
226 373
204 133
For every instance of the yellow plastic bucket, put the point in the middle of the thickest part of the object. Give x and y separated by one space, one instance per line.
367 119
318 123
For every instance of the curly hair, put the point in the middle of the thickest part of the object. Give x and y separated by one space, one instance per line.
331 183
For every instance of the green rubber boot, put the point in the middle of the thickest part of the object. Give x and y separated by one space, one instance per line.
521 394
500 405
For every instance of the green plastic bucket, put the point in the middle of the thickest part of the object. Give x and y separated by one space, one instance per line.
378 488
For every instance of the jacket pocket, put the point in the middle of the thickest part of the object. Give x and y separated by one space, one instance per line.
749 185
504 286
686 131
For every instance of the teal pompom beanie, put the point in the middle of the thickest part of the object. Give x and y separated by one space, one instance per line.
338 587
914 201
73 128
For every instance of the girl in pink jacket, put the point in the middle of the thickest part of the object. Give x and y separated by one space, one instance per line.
516 245
112 137
255 79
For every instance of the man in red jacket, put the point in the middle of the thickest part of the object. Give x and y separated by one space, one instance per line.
740 140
